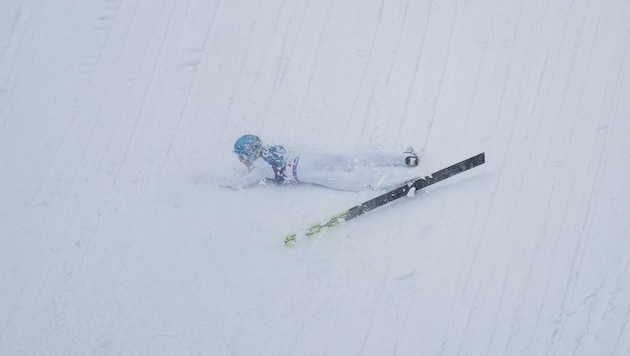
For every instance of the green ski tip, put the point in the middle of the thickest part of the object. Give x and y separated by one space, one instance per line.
289 239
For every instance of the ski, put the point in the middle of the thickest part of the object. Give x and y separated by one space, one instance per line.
407 189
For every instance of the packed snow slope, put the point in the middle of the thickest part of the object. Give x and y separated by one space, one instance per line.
117 120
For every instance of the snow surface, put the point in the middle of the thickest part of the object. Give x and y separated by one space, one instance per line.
117 117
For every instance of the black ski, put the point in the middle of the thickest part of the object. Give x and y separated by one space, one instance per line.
403 190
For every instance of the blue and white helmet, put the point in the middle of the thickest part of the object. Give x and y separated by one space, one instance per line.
248 148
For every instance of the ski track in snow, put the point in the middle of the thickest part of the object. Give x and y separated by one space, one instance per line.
117 118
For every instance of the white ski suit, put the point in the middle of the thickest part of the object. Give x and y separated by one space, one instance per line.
336 171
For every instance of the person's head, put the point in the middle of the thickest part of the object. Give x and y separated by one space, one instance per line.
247 148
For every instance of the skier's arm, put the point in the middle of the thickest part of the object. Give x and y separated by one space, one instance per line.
255 175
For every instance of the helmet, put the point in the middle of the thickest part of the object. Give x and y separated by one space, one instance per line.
247 147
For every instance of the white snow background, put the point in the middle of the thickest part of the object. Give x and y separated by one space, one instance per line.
118 117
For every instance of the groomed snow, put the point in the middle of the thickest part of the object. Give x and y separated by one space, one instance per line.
117 118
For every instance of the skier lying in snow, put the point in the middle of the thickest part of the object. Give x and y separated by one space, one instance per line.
337 171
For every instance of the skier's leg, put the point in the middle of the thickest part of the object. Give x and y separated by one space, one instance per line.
340 180
317 162
337 171
386 158
347 162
